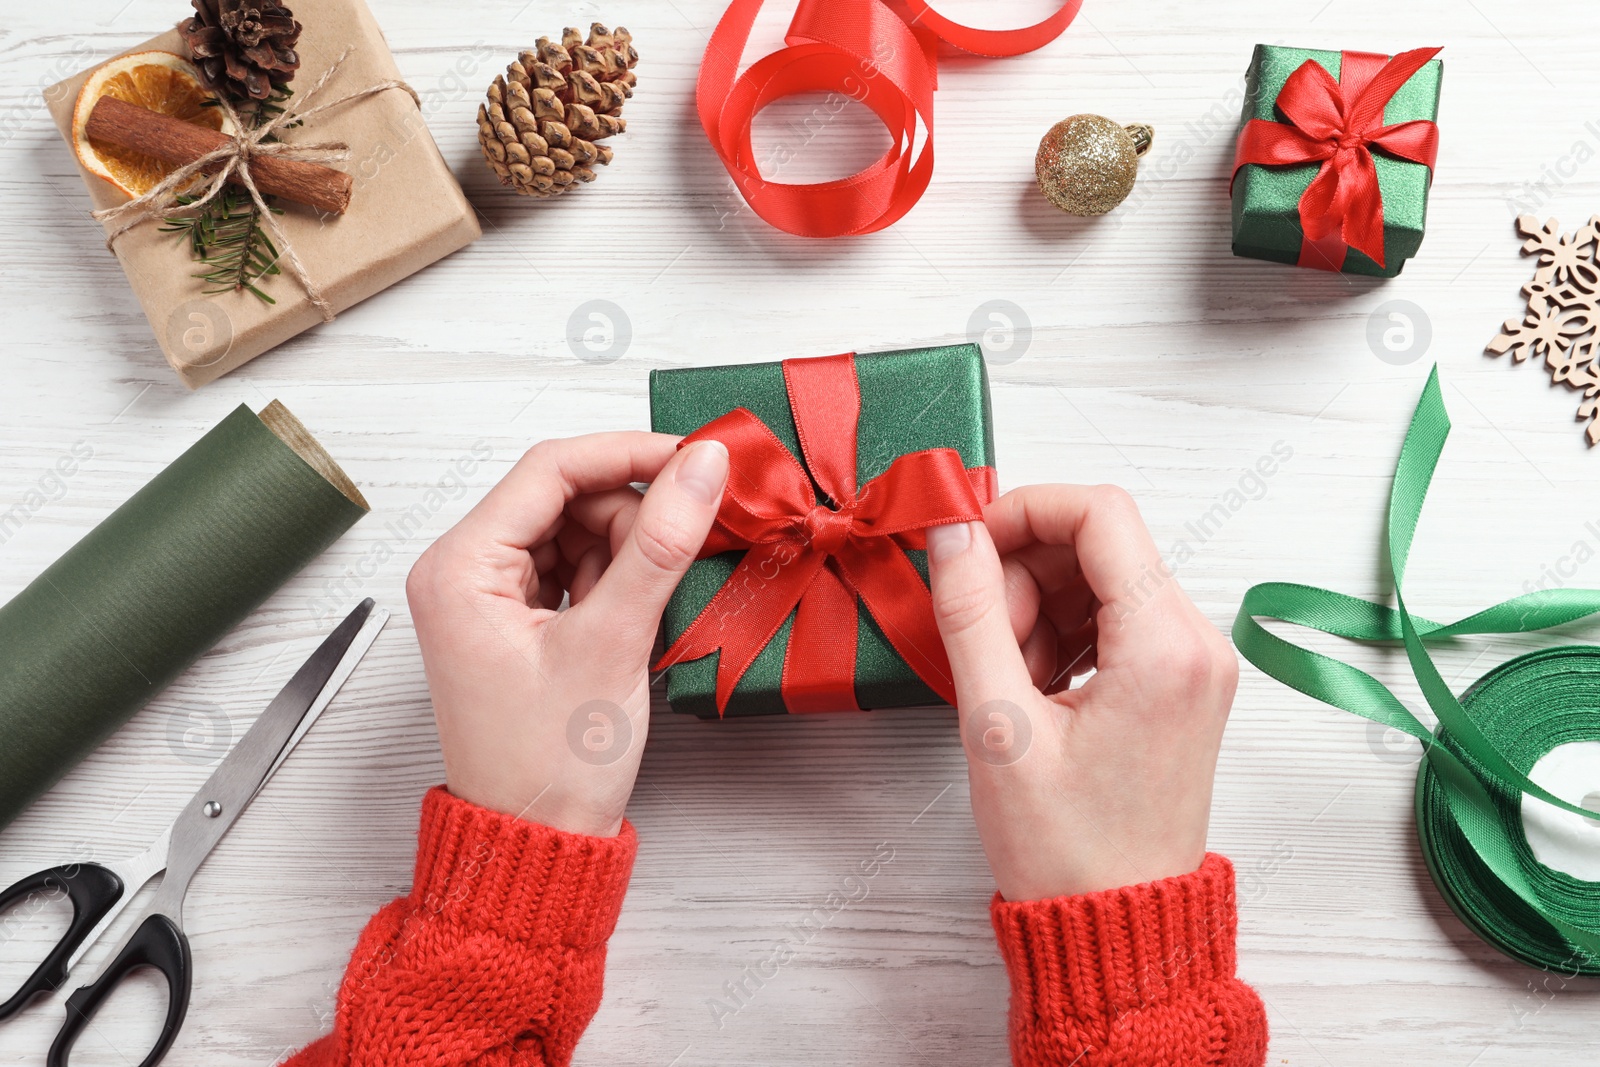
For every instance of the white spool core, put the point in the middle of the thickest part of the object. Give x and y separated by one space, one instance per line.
1559 839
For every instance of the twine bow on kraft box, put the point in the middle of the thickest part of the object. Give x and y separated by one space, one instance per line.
1335 158
405 208
811 593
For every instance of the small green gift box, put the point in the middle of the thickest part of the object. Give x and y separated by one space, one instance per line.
1347 148
923 449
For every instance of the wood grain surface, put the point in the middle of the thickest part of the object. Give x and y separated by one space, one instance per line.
1130 349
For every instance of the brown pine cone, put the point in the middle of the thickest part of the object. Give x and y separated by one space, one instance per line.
242 48
541 120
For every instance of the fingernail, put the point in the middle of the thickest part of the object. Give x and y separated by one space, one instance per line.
947 541
704 471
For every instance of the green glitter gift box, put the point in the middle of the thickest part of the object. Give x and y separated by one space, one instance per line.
1267 197
910 402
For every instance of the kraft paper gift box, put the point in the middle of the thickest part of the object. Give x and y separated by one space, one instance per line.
406 211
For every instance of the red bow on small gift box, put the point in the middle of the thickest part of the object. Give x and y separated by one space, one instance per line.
1339 123
824 556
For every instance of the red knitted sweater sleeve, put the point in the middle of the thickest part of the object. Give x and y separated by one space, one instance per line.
1136 977
496 957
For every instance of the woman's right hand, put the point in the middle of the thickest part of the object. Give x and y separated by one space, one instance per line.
1079 790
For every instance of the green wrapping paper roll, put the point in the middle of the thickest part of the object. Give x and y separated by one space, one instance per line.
164 577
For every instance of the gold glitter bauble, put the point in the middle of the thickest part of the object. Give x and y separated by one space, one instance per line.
1086 164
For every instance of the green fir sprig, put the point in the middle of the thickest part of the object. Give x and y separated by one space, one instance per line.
227 237
226 234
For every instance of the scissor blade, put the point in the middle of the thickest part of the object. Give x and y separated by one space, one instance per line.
347 666
235 781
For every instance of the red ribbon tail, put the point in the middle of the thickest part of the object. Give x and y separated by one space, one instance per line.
1323 253
894 593
746 612
1366 110
1363 207
1320 220
819 671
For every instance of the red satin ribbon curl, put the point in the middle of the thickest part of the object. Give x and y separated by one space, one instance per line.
824 559
1338 123
878 55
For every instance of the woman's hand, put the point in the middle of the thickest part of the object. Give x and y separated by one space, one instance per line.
542 713
1079 790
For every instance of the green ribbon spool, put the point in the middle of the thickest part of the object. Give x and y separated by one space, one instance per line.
1474 774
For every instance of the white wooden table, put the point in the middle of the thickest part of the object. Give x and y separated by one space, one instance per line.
1155 360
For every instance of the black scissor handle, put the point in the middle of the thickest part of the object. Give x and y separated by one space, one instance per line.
156 943
93 890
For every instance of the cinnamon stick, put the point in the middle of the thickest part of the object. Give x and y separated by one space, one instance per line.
128 125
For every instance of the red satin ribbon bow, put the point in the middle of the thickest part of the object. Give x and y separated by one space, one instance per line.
820 557
880 56
1337 122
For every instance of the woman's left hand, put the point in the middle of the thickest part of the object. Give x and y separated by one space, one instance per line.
542 713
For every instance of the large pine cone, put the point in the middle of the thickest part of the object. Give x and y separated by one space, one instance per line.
242 48
541 120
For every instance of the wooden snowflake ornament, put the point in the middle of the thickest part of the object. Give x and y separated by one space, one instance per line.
1563 311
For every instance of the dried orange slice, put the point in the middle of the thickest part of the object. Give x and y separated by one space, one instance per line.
161 81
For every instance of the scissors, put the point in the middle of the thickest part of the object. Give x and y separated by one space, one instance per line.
100 892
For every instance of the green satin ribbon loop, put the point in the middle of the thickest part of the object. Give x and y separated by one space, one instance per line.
1471 819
